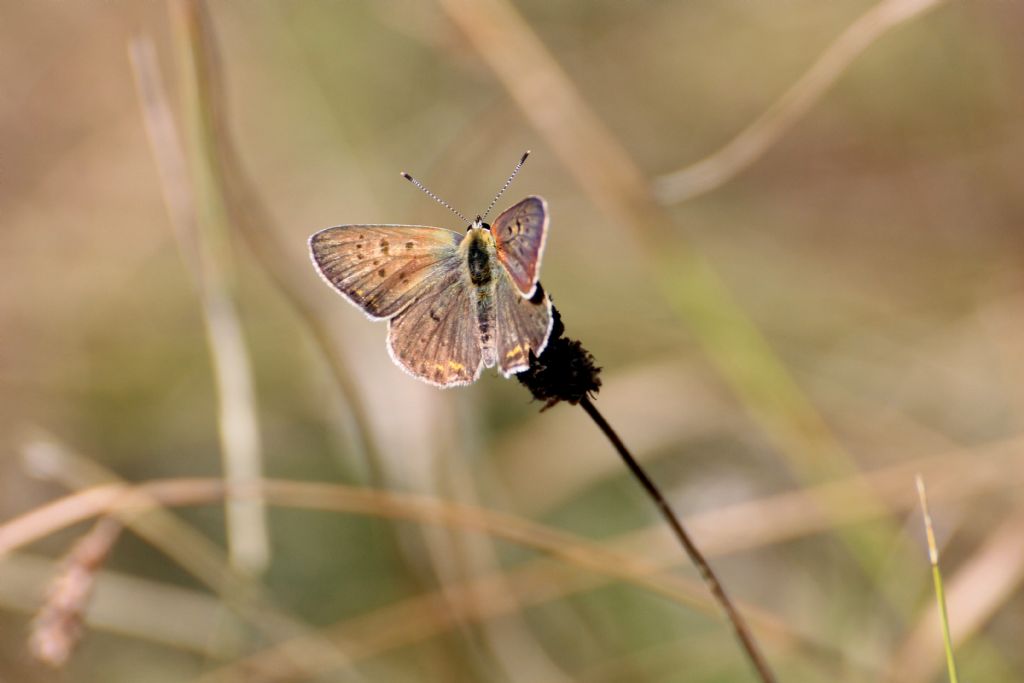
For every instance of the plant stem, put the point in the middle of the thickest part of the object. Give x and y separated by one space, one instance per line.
940 593
707 574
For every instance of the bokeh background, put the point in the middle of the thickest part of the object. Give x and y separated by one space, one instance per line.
789 333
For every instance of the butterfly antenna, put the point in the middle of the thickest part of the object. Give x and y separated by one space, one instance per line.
507 183
435 197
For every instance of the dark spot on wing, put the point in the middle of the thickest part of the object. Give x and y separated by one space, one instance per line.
434 316
382 272
376 262
409 245
384 246
437 374
403 278
360 256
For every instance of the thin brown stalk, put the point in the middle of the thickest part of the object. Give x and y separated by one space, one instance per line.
739 625
752 142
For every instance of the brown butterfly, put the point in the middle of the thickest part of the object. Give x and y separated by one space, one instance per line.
454 303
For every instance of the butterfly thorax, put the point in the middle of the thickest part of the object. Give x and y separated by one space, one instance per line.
478 250
479 246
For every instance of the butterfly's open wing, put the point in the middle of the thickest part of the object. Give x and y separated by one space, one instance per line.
380 268
436 337
522 325
519 234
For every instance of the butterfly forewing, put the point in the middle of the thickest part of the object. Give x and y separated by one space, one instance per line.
519 234
523 325
381 268
435 337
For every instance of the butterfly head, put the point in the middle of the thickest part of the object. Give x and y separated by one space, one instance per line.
478 224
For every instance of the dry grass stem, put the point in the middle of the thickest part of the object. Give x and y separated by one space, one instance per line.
237 414
549 99
251 218
780 518
748 146
57 628
735 528
488 598
192 551
129 606
115 499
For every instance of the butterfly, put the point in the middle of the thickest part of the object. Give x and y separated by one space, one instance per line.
455 303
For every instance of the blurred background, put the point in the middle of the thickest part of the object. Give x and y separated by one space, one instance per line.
793 319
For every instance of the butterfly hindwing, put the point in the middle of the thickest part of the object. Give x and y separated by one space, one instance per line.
381 268
519 235
523 325
435 338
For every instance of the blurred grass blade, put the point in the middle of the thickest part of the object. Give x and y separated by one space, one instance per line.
132 504
748 146
541 581
118 499
147 518
251 219
248 544
940 597
129 606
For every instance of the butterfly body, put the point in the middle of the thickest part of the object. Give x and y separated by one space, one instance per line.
455 303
